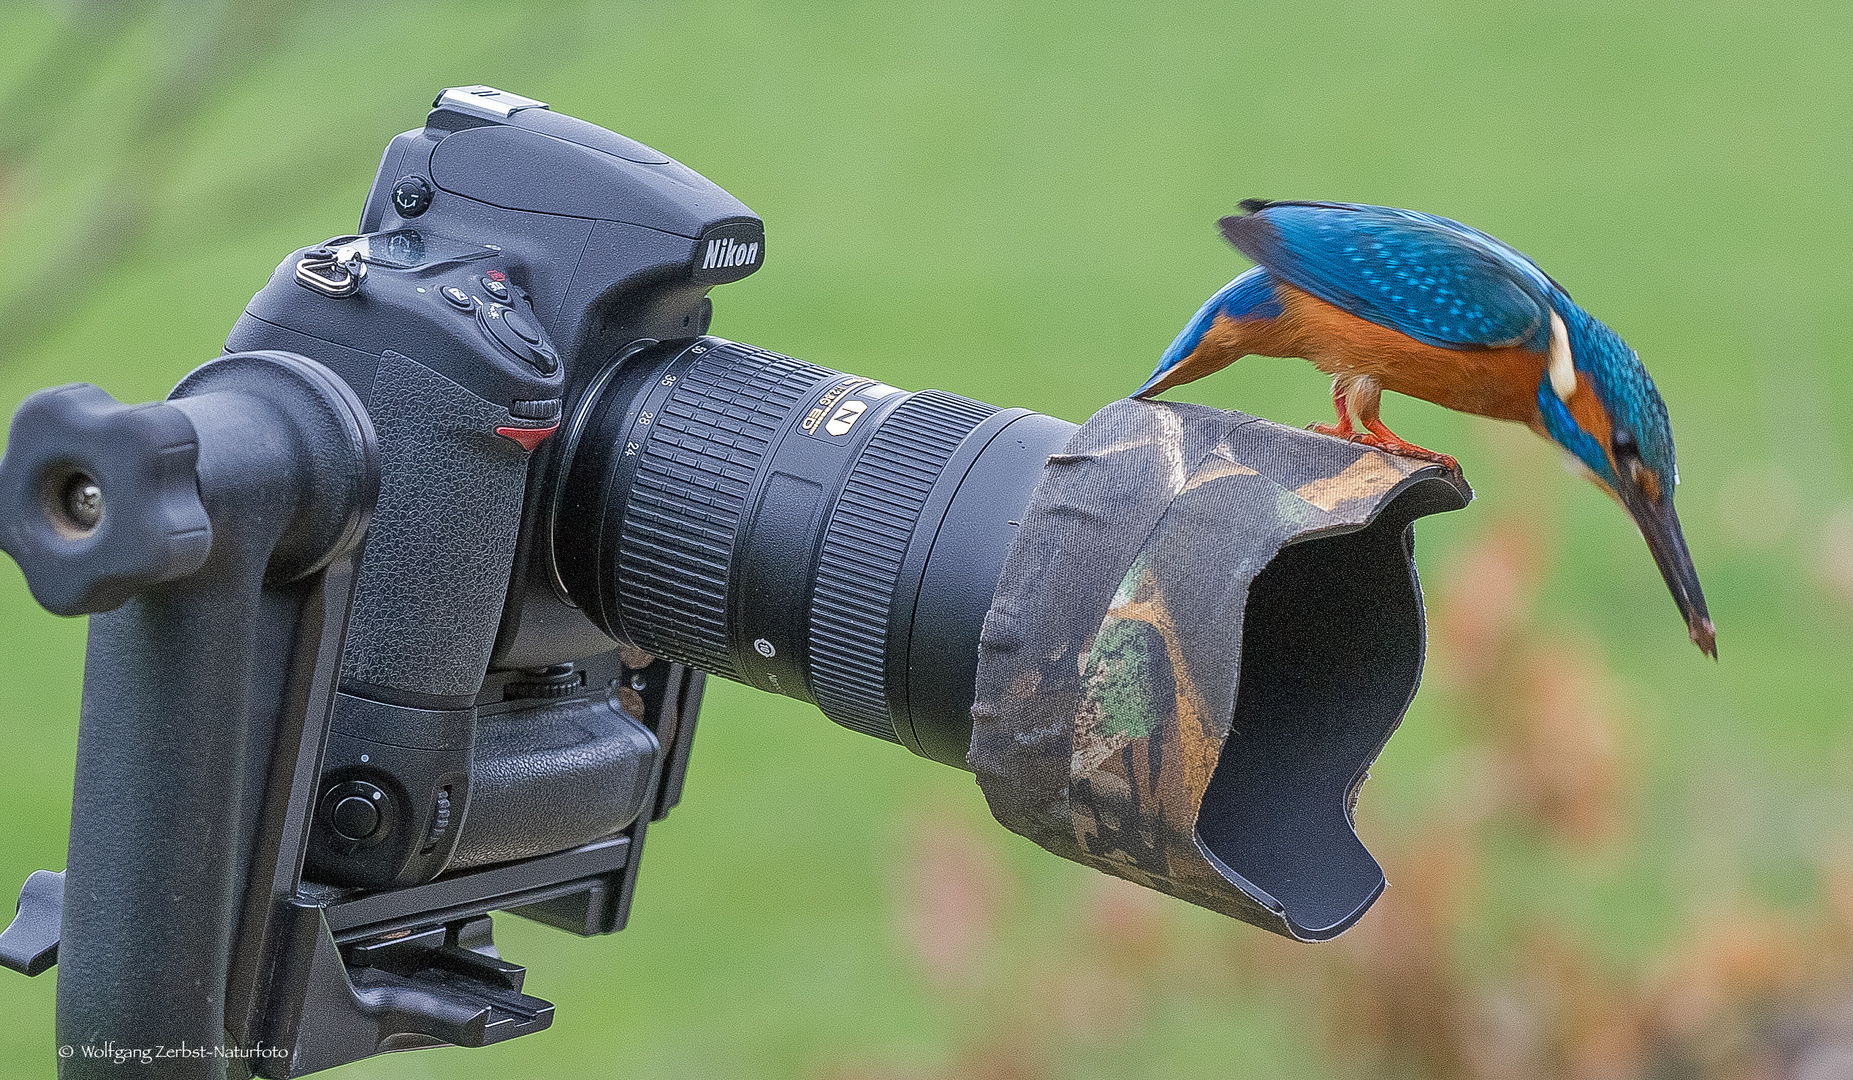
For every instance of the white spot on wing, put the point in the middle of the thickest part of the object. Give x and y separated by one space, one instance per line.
1563 369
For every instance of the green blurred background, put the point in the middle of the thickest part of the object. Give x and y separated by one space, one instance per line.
1609 858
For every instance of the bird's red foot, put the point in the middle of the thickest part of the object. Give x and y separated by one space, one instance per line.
1342 430
1390 443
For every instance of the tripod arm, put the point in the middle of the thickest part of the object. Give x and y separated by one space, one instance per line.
213 538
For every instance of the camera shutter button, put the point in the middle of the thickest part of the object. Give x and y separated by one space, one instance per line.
519 334
358 811
523 326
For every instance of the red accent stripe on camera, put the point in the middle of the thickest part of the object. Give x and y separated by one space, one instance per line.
527 437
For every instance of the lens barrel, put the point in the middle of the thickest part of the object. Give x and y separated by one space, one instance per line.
801 530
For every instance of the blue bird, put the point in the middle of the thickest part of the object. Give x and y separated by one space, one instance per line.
1387 299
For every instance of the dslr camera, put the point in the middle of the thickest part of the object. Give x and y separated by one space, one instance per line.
401 608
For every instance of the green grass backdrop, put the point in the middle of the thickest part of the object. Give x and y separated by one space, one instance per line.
1016 202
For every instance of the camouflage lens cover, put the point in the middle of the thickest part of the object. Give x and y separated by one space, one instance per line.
1118 719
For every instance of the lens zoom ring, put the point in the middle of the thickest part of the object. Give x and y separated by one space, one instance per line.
863 550
695 470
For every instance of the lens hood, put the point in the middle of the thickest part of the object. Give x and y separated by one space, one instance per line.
1205 631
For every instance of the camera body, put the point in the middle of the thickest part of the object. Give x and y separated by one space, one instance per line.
465 352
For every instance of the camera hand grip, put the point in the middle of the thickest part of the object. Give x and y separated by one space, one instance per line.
438 560
428 601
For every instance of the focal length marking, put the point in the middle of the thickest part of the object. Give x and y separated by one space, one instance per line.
727 252
847 401
831 397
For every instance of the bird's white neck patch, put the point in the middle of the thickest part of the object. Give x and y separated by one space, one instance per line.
1562 368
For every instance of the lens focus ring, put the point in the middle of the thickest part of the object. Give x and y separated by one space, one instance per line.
863 549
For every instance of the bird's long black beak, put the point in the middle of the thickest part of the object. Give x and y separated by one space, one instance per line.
1660 525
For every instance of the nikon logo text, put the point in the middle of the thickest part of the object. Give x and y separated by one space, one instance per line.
727 252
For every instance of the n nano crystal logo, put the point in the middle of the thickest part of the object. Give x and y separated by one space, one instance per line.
846 417
727 252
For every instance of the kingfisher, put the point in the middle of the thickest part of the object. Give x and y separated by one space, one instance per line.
1387 299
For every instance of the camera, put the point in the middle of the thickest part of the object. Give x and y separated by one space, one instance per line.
401 609
698 491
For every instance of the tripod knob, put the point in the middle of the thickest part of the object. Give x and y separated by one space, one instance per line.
99 499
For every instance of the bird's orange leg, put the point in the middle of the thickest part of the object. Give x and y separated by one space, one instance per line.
1343 428
1362 396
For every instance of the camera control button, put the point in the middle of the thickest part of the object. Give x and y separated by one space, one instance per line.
495 286
356 817
411 196
459 299
356 812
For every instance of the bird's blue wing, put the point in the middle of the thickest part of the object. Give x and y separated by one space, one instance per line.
1516 259
1440 283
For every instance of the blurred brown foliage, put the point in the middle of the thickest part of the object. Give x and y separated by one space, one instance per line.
1025 1014
1741 993
1547 706
952 896
1419 988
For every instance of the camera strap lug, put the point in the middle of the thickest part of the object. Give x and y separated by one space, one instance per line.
333 272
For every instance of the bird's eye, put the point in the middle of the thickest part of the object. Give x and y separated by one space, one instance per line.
1624 442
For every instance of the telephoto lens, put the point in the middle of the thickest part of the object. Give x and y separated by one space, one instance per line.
805 531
